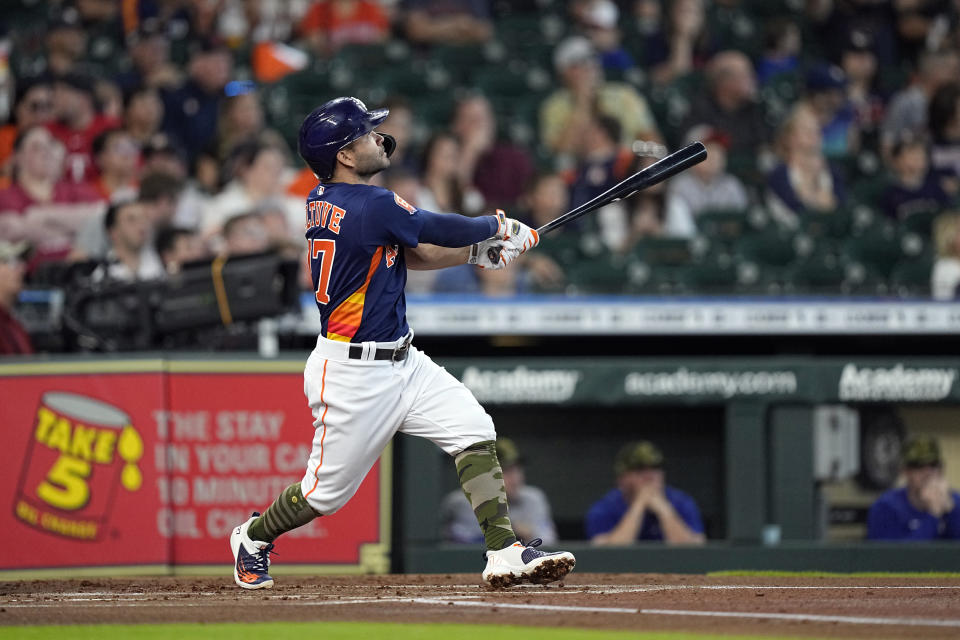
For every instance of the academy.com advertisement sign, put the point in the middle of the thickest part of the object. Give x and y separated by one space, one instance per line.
614 381
155 468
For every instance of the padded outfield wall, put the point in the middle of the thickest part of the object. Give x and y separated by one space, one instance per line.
141 463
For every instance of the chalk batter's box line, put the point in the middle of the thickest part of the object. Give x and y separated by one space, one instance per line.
544 608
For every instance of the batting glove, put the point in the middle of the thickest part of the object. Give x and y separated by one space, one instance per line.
492 253
515 232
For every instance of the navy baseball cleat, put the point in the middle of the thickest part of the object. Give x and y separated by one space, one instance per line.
523 563
251 558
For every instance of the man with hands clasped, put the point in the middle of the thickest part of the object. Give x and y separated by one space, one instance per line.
925 507
643 506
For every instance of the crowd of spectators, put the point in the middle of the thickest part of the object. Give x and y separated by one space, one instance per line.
835 107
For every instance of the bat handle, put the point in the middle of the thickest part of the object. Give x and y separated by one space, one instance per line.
493 253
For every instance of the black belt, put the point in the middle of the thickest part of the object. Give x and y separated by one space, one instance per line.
397 354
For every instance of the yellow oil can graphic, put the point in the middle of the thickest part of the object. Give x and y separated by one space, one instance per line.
80 453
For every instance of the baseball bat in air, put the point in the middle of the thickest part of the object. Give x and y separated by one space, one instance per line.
668 166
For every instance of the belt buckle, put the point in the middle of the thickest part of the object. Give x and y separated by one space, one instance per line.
400 351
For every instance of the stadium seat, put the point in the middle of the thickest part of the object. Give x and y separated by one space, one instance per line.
663 251
602 274
878 250
920 222
911 278
819 273
768 248
728 225
826 225
712 275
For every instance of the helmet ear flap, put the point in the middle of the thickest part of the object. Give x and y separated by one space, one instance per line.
389 143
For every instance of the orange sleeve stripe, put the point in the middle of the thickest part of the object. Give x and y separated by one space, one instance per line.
347 315
323 422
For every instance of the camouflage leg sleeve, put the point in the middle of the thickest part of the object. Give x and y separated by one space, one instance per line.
482 482
289 511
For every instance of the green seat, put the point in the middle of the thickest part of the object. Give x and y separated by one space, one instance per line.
604 274
724 225
921 222
712 275
819 273
911 278
768 249
869 191
562 246
362 57
663 251
826 224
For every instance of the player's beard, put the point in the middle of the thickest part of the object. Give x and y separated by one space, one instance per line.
373 164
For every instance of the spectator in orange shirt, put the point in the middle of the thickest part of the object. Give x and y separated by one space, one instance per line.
331 24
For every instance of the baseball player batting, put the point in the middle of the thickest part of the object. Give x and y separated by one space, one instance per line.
365 380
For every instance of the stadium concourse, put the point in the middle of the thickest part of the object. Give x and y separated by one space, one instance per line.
802 607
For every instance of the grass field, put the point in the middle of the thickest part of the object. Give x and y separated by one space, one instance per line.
338 631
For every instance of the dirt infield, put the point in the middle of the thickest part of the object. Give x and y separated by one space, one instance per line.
805 607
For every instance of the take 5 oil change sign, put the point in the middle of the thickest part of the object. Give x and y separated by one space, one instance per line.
82 451
78 484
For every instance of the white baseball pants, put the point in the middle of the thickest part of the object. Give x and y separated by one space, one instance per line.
359 404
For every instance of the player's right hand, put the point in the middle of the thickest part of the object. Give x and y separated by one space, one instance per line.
517 234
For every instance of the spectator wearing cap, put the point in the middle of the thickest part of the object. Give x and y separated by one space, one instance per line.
191 110
529 507
450 22
78 123
566 113
33 105
643 506
925 507
826 94
598 21
14 339
705 186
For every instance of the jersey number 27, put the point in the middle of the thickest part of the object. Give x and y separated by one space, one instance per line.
325 249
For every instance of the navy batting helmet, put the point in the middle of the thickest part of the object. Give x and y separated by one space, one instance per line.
332 126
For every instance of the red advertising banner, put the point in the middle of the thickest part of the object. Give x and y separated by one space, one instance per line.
156 464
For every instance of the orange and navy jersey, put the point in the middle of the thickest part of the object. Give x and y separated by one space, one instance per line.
355 239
